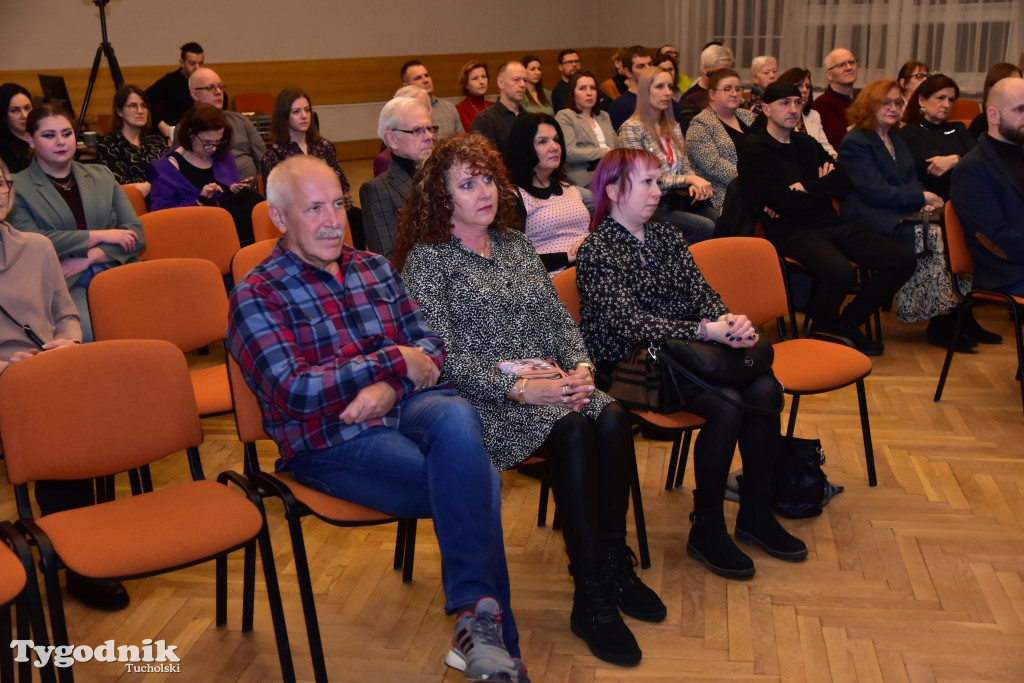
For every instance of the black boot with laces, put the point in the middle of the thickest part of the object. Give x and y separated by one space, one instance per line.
596 620
633 597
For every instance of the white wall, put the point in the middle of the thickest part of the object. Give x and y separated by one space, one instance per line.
52 34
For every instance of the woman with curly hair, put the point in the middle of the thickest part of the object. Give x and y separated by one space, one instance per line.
483 289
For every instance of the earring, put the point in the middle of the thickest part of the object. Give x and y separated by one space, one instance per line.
922 111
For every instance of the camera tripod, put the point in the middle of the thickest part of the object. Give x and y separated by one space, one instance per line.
107 50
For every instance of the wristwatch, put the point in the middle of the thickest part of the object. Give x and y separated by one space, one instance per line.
588 366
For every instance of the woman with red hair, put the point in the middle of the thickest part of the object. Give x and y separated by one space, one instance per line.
483 289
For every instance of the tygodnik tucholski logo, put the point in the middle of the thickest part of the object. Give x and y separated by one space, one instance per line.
153 656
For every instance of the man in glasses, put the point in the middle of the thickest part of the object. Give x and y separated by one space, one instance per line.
169 97
246 144
346 373
496 122
443 112
841 74
406 128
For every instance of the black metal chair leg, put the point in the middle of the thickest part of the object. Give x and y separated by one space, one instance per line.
869 451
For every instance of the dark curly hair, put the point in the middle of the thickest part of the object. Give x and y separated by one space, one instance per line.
520 154
427 216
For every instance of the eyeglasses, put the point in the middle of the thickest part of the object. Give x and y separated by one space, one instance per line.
843 65
216 87
137 106
418 132
210 144
888 104
6 185
920 77
729 89
571 61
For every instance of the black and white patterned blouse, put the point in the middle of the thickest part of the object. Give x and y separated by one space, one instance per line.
129 163
634 292
489 310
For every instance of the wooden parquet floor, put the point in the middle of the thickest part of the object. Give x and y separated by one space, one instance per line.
920 579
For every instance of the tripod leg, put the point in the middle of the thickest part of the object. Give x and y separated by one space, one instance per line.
115 69
88 90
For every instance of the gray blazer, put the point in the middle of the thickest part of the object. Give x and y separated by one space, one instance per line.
380 199
39 208
581 148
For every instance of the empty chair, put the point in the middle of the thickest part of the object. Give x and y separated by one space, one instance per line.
180 300
136 198
140 408
205 232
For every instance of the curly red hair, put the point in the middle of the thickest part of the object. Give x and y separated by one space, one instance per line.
863 113
427 216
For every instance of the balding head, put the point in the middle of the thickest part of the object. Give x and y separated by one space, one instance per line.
205 86
841 70
1005 110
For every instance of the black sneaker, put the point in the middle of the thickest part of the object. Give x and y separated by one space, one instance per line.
596 620
633 597
764 531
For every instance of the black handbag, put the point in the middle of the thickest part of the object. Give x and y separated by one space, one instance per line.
639 383
800 488
654 377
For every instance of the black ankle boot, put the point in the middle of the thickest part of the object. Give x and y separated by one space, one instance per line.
595 619
710 543
759 527
633 597
940 330
973 329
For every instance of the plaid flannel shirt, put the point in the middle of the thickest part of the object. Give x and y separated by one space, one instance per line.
308 341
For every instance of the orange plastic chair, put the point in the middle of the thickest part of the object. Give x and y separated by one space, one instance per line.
964 109
179 300
205 232
19 588
258 102
136 198
249 257
802 366
301 501
264 229
961 262
123 405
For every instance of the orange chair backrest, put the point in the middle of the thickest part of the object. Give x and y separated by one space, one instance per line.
181 301
248 418
964 108
259 102
568 292
264 229
746 273
96 409
136 198
249 257
206 232
961 261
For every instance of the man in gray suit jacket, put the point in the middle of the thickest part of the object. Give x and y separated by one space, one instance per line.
406 127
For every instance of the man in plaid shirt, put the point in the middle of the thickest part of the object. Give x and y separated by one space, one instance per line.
346 370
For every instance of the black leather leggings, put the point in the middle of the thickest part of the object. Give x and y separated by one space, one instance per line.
590 466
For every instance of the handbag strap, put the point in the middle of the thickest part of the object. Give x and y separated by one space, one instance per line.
674 367
32 336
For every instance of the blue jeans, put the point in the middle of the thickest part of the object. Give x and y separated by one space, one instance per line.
434 465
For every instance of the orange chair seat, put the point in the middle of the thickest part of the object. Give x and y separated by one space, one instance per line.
677 420
809 366
135 536
12 576
327 506
213 392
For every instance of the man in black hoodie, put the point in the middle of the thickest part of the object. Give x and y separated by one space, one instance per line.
789 181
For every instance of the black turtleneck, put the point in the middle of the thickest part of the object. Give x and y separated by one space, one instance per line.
1013 156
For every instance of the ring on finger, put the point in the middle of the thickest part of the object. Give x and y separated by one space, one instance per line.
565 390
565 399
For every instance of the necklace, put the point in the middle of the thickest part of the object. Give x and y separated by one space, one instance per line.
65 186
888 146
486 251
